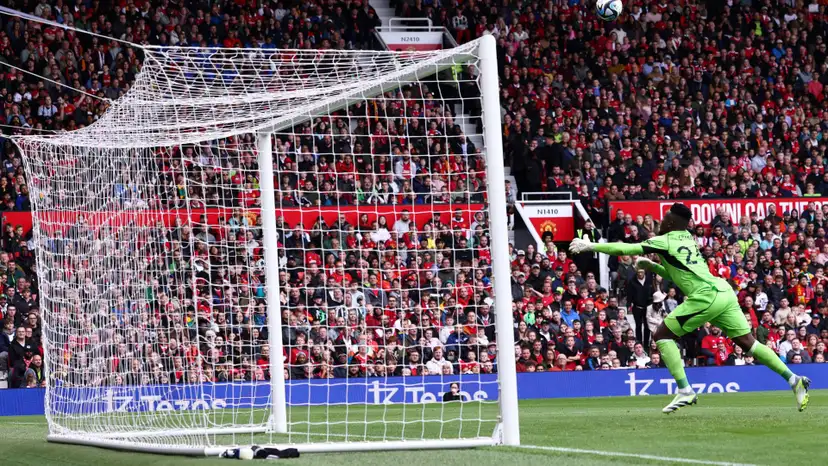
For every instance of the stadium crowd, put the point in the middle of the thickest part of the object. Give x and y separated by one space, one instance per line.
677 100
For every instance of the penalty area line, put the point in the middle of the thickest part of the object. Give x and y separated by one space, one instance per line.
667 459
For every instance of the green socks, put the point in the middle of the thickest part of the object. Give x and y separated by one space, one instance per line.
672 359
766 356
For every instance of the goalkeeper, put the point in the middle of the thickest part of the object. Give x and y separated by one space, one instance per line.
708 299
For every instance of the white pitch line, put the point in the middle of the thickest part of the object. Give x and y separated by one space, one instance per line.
667 459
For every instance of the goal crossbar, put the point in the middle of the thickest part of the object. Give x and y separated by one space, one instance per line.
373 90
163 135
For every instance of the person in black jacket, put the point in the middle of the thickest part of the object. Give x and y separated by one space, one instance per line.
588 262
616 228
6 338
593 361
777 291
639 296
453 394
21 352
20 303
518 283
37 371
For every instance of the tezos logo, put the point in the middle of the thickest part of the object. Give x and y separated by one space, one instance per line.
642 387
136 402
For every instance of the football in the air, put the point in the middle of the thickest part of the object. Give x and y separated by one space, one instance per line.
608 10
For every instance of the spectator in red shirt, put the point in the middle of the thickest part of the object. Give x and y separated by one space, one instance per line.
722 353
710 344
561 364
561 261
802 293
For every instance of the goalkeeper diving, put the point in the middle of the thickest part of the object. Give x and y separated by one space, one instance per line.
708 299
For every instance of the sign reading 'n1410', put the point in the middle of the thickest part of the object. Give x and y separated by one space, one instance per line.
705 210
556 219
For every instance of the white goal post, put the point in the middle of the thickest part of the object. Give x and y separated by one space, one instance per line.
301 248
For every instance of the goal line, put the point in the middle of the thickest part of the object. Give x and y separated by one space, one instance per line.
619 454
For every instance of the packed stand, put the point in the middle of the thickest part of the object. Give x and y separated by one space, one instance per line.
363 294
670 103
674 101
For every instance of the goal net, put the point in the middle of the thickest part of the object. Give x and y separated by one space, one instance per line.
285 247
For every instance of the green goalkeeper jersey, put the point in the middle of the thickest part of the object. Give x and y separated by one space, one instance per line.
681 261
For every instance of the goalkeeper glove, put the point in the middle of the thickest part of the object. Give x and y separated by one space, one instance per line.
578 245
642 263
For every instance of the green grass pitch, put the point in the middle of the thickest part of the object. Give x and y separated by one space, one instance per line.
747 428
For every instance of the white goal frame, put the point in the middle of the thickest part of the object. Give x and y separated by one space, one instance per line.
507 431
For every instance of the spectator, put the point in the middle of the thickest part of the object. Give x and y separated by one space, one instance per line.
437 364
722 353
813 328
640 295
593 360
655 362
737 357
21 353
561 364
640 357
7 336
572 353
625 322
798 351
655 314
785 346
453 394
568 314
588 262
35 376
712 345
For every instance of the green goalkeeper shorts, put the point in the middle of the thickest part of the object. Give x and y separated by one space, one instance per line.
720 308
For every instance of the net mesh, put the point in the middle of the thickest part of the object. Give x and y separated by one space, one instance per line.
151 252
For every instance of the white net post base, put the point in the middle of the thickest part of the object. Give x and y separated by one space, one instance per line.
328 447
291 247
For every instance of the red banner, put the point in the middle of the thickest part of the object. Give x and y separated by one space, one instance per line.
293 216
704 210
555 218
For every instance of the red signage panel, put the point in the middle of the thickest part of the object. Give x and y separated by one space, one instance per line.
307 216
554 218
704 210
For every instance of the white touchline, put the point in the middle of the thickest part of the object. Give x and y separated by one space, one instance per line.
632 455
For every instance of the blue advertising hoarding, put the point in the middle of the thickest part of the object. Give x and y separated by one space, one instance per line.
392 390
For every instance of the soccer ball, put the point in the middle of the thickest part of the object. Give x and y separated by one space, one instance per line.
608 10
